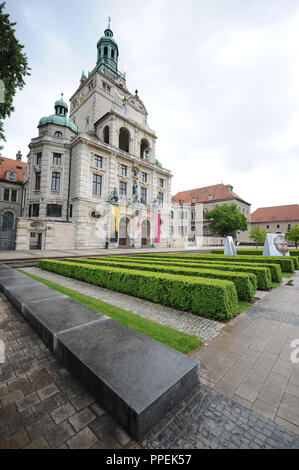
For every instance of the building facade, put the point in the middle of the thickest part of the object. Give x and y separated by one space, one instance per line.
93 180
11 198
276 219
189 207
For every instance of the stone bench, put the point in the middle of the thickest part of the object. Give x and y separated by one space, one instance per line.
135 378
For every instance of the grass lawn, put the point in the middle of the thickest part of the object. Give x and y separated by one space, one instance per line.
182 342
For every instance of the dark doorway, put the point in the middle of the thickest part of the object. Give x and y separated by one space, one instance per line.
7 231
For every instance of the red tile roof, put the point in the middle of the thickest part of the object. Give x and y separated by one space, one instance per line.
276 213
8 164
220 192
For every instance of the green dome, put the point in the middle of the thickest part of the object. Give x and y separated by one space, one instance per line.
60 116
61 103
59 120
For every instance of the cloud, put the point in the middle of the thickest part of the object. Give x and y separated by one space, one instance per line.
220 81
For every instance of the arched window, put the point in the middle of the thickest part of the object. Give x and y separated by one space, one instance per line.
144 148
106 133
124 137
58 134
112 54
105 51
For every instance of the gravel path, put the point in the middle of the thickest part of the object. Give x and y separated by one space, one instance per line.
186 322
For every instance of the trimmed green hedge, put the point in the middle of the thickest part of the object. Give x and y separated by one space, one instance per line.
275 270
262 273
245 283
259 252
286 263
211 298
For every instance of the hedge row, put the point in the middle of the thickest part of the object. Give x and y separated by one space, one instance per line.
211 298
286 263
275 270
259 252
262 273
245 283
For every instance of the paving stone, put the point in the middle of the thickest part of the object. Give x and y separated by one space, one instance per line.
59 435
85 439
82 400
15 441
62 413
47 391
27 402
11 397
39 443
40 427
81 419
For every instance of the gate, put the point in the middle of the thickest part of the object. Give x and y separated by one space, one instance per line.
7 231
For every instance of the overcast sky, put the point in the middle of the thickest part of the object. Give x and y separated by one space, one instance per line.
219 79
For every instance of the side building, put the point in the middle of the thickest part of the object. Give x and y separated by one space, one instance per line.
93 180
189 226
11 198
276 219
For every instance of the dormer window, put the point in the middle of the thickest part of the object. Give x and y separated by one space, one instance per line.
11 175
58 134
210 196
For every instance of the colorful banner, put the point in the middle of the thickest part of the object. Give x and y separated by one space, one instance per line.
114 224
157 228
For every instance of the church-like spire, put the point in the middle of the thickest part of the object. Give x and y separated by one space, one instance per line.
107 51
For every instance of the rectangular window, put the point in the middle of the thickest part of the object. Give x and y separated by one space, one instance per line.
37 180
278 226
122 189
143 177
55 186
143 195
97 161
123 170
71 210
13 195
96 184
160 199
54 210
289 226
35 210
30 210
6 195
161 182
38 158
56 159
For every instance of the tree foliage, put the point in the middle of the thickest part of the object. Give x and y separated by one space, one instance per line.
258 235
13 66
225 220
293 234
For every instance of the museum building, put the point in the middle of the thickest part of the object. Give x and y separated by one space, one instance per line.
92 179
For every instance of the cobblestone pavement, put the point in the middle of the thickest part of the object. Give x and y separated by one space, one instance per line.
208 420
248 396
177 319
41 404
250 360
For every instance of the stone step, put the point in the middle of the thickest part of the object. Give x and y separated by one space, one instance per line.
135 378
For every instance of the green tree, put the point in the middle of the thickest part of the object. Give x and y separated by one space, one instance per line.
225 220
258 235
13 66
293 234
